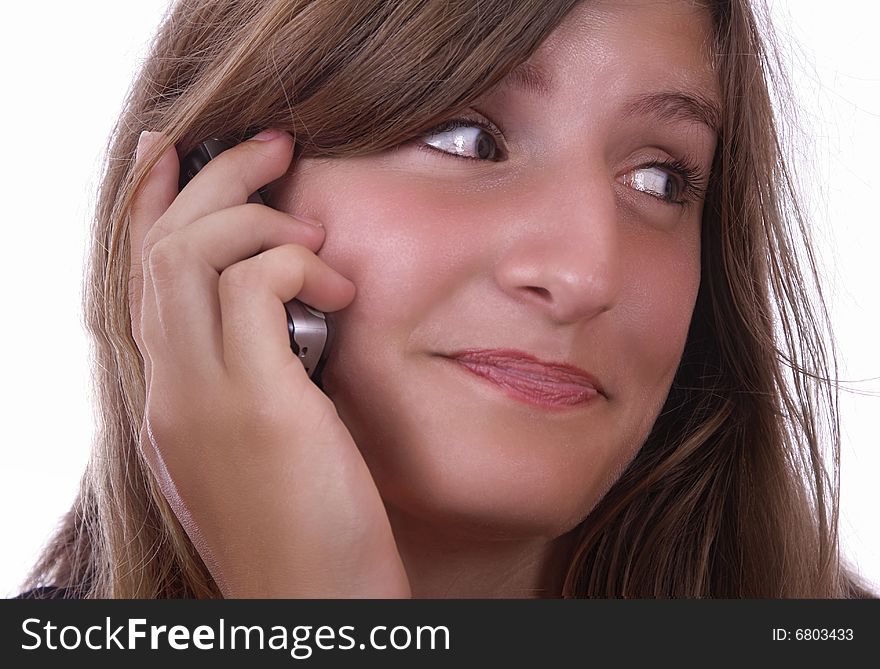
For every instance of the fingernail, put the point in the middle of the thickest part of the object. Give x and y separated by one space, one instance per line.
267 135
310 221
143 144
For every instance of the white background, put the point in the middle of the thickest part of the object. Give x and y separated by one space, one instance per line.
65 69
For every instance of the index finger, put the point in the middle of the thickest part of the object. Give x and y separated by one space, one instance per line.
231 178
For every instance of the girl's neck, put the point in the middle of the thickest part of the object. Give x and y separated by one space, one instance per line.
446 563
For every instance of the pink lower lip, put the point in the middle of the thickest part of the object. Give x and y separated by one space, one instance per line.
531 388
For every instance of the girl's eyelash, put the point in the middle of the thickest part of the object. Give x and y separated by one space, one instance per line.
495 131
693 181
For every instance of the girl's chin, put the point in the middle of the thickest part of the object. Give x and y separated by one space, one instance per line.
444 513
445 446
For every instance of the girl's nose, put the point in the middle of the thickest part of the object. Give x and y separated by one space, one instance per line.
567 261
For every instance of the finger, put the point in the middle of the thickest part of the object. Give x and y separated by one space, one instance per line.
252 293
159 187
226 237
230 178
157 191
185 269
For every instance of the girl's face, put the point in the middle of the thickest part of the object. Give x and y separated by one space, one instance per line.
561 238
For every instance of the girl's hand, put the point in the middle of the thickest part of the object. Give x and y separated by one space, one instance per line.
252 456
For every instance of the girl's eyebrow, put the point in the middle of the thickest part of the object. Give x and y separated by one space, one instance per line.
529 78
673 106
693 107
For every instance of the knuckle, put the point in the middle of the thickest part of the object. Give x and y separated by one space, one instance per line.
243 275
165 257
158 231
251 213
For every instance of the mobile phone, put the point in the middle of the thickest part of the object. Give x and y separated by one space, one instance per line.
310 331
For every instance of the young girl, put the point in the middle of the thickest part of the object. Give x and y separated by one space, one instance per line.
574 349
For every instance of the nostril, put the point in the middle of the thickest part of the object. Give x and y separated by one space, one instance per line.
542 292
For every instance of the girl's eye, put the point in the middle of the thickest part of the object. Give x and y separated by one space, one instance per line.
655 181
677 182
465 138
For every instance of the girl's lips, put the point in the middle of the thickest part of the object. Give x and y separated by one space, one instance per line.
526 378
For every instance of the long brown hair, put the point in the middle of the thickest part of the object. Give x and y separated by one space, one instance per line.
734 493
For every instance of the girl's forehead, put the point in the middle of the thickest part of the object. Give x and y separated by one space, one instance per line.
632 27
631 57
